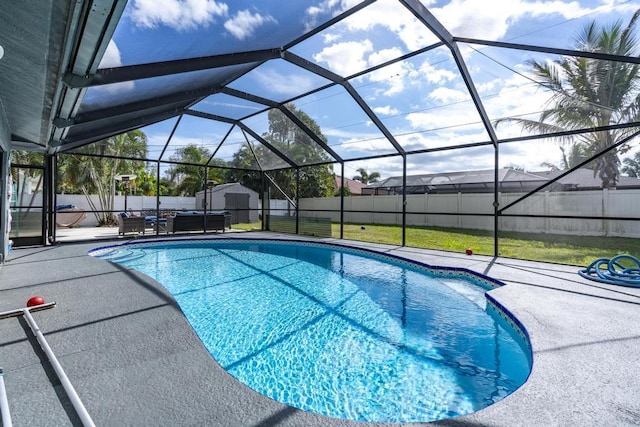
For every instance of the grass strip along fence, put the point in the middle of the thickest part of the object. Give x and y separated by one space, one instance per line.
554 248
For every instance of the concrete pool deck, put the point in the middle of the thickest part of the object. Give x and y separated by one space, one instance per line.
135 360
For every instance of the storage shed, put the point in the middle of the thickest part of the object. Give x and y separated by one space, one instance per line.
240 201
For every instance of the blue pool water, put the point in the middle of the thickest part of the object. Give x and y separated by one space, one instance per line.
340 332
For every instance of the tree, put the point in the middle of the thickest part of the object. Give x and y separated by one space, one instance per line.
296 145
217 171
145 183
577 154
365 177
246 169
343 191
188 176
591 93
632 165
95 174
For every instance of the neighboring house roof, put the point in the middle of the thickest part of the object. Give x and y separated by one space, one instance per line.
483 181
354 186
585 179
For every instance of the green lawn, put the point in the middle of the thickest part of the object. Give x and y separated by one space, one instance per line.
571 250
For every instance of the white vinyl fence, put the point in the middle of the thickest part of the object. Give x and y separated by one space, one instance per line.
135 203
429 209
281 208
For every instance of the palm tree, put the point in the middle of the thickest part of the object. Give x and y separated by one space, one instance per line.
632 166
188 177
577 154
365 177
95 174
592 93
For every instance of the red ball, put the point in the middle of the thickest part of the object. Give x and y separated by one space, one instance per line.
469 251
37 300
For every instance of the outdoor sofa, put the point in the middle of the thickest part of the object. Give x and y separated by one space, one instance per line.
195 221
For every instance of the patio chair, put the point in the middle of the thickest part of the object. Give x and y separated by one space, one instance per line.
130 224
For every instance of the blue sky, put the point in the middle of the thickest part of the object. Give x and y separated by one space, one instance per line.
423 101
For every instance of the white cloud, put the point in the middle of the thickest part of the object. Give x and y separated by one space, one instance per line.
345 58
413 34
441 137
465 18
393 75
436 75
112 59
473 18
180 15
331 38
289 84
378 13
244 23
372 145
530 155
458 122
458 119
326 7
512 97
387 110
447 95
115 88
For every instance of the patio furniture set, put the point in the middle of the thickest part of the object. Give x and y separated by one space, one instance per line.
177 222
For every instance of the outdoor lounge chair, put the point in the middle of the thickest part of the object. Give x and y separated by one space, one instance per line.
130 224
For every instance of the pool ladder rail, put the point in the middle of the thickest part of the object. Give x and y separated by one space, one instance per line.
62 376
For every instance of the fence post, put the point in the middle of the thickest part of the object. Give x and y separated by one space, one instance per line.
372 208
426 209
459 209
547 209
605 203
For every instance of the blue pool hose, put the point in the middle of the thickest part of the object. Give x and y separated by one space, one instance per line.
611 271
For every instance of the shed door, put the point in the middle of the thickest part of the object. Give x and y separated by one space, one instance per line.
238 205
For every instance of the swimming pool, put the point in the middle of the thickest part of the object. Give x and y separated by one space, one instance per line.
341 332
